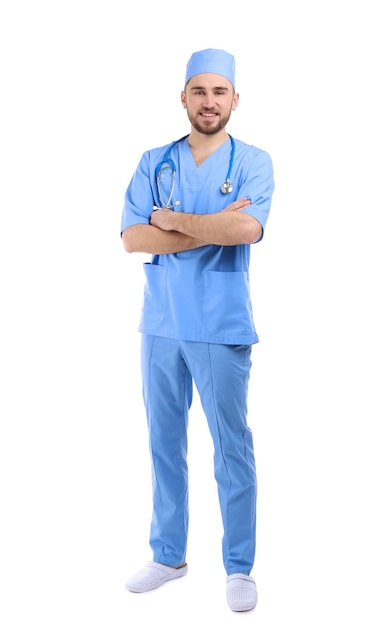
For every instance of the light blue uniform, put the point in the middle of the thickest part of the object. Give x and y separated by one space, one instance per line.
201 294
197 324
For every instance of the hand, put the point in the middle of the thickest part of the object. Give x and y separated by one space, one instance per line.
161 218
238 205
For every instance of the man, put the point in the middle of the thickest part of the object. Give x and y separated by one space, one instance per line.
197 322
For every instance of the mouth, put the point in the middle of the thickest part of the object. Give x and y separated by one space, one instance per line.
208 116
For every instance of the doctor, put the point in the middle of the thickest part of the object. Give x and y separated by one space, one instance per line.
197 205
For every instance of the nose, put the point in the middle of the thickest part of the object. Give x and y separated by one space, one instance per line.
209 100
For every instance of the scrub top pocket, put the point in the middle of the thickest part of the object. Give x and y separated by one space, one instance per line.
226 303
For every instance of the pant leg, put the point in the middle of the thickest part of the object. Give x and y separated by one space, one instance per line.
167 392
221 374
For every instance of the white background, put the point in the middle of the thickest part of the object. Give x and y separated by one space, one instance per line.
86 87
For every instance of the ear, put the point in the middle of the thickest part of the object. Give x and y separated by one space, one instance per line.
234 104
183 99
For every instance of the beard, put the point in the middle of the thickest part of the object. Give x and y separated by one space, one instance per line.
209 127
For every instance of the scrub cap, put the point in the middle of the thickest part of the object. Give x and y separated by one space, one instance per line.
211 61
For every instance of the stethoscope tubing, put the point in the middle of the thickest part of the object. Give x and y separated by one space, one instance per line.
168 163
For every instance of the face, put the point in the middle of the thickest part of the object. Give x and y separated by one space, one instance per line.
209 100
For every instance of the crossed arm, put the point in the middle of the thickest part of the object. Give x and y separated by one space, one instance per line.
172 231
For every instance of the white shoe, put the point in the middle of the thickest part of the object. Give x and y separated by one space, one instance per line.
241 592
154 575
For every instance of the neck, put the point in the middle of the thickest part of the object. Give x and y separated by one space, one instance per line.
202 146
201 141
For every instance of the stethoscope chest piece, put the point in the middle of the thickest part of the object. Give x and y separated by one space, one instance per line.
227 187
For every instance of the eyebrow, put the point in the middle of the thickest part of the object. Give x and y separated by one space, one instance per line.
217 87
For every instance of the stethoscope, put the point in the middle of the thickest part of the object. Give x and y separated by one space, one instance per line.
168 163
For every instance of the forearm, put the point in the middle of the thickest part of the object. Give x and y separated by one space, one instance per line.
148 238
226 228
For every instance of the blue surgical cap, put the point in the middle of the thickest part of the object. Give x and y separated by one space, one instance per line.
211 61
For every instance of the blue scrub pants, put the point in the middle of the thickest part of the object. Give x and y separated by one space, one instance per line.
221 376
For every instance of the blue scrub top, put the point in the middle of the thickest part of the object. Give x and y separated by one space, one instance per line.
201 294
